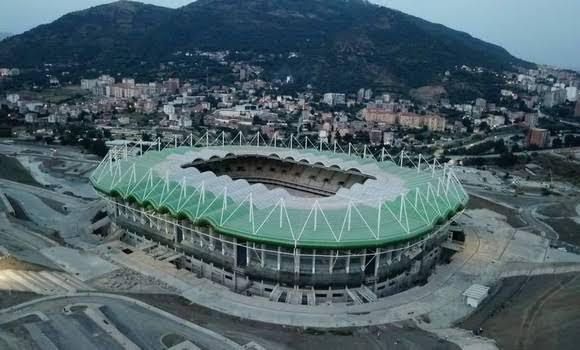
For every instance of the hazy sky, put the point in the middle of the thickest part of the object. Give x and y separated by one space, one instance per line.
538 30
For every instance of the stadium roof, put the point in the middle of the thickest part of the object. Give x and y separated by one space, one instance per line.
399 204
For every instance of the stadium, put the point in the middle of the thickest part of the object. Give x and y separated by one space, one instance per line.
296 223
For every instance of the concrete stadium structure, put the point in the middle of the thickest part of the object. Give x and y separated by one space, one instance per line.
296 222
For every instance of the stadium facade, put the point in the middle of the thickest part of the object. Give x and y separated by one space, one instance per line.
295 222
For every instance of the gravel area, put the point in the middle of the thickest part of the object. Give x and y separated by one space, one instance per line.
126 280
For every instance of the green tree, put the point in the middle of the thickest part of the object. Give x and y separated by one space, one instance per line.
145 137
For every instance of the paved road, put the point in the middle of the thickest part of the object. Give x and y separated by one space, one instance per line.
74 154
528 206
553 151
529 214
57 157
68 325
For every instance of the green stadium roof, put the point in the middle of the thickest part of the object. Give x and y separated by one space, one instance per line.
408 203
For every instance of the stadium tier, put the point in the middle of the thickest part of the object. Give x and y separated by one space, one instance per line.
295 225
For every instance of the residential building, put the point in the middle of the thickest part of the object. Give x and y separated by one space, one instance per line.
124 120
368 94
554 97
380 115
495 121
411 120
34 106
246 111
572 93
375 137
515 117
169 110
13 98
100 86
31 118
360 95
88 84
508 93
57 119
531 120
171 86
323 136
435 123
185 122
334 99
538 137
389 138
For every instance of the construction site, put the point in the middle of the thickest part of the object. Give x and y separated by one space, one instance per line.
269 246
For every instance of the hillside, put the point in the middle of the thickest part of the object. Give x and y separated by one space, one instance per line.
340 44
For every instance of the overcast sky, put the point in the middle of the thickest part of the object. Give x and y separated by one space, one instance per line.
538 30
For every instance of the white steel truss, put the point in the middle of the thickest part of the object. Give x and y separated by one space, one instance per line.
418 201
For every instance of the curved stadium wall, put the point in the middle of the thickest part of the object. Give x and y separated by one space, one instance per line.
295 224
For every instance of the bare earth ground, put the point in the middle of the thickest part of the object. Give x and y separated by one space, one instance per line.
11 169
560 209
57 95
511 215
19 212
563 169
53 204
568 229
560 218
280 338
542 312
11 263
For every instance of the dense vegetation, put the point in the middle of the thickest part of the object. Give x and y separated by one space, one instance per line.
496 147
338 44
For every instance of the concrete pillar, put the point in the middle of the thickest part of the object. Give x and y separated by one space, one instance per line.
262 259
248 253
262 288
235 252
347 268
279 258
223 245
364 260
297 260
175 223
377 261
313 261
332 261
235 280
